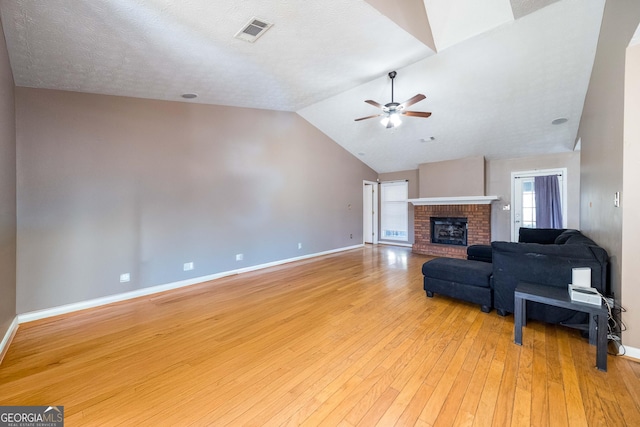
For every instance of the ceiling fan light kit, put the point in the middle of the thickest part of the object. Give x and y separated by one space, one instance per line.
391 112
391 121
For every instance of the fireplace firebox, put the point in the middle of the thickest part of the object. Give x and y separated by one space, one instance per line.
449 231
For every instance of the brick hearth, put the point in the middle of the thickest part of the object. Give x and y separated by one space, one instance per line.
478 228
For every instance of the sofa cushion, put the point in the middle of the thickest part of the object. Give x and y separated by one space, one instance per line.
544 236
565 235
479 253
580 239
473 273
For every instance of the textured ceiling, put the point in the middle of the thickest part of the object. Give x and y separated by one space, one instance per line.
455 21
162 48
502 72
636 37
494 95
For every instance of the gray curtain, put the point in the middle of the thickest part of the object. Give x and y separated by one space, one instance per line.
548 208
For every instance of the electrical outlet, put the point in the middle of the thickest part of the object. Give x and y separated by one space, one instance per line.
187 266
125 277
239 257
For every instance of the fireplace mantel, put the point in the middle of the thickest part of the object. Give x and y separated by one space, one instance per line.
462 200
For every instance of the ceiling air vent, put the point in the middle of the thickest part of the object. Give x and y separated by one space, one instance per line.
253 29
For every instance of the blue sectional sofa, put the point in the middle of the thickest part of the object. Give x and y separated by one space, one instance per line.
542 256
546 257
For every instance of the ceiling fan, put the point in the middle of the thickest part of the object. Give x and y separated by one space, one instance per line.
391 112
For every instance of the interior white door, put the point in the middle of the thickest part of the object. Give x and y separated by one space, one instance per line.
370 212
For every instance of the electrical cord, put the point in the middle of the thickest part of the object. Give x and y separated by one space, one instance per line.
615 327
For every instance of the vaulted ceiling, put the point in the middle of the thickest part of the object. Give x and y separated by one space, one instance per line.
495 73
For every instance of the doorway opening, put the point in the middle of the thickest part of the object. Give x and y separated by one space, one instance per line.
523 198
370 212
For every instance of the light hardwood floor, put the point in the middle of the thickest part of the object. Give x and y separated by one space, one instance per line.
342 340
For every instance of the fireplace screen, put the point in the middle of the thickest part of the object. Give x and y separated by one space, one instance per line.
449 231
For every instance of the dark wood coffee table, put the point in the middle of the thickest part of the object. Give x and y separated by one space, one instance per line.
559 297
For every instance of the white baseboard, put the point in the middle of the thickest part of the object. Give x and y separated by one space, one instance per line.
631 352
97 302
11 332
404 245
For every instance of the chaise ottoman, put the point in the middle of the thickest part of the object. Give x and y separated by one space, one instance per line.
462 279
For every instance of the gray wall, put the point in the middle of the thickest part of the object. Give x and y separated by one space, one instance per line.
476 176
498 182
410 15
601 130
413 190
631 209
449 178
7 193
108 185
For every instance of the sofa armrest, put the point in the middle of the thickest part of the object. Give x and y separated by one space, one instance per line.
545 236
479 253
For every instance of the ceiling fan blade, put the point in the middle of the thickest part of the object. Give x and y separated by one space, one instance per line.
374 103
419 97
368 117
416 114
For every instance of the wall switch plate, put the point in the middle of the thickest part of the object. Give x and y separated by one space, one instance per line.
125 277
299 245
239 257
187 266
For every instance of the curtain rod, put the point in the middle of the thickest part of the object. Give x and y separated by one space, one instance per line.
389 182
529 176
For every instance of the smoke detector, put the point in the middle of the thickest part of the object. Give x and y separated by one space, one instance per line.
253 30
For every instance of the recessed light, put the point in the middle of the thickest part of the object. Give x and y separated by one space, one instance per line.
429 139
559 121
360 154
189 95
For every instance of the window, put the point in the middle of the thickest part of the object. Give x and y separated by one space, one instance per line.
528 203
525 212
394 212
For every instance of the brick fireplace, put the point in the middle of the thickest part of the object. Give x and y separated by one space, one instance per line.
478 226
